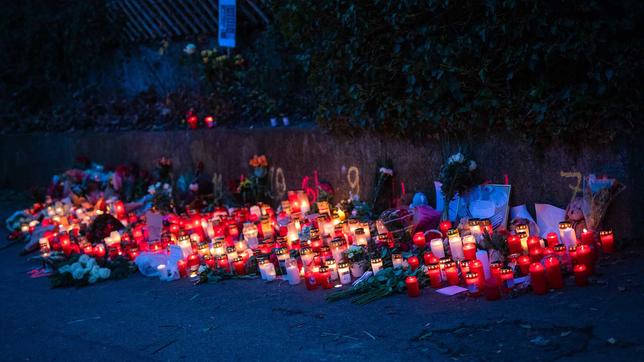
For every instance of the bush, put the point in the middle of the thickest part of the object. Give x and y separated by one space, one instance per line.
541 70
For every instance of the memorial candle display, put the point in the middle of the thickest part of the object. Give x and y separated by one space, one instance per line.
607 241
495 270
475 229
585 256
538 279
324 277
469 251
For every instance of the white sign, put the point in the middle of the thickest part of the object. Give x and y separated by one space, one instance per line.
227 23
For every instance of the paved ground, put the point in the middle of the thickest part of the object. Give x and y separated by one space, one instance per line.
146 319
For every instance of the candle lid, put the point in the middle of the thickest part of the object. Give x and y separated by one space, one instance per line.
606 232
343 264
471 275
565 225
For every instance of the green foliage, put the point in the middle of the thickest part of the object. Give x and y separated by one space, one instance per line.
540 70
48 49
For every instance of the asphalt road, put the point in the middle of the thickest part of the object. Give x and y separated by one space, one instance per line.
146 319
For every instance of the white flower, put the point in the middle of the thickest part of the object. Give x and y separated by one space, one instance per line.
386 171
65 269
151 190
194 187
78 274
83 259
166 186
104 273
472 165
202 268
92 279
95 270
456 158
190 49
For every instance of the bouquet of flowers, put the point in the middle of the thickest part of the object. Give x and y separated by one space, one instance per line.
355 253
161 197
260 165
457 176
598 193
82 272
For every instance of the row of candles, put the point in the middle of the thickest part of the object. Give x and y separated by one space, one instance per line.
214 240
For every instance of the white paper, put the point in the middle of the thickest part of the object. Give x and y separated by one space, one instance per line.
451 290
548 218
154 221
520 211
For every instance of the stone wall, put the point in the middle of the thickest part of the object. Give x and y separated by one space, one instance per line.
535 176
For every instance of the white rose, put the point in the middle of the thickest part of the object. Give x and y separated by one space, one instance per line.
472 165
151 190
104 273
83 259
78 274
65 269
75 266
95 269
190 49
459 157
92 279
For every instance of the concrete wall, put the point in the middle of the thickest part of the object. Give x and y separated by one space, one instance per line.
30 160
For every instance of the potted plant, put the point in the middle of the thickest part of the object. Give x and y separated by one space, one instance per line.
357 257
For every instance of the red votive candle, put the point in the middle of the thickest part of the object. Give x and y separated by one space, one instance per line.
469 251
524 264
572 251
608 242
182 267
413 262
534 243
240 266
434 274
495 270
193 263
413 290
88 249
492 291
472 281
507 278
451 273
585 256
309 280
553 273
536 254
323 277
587 237
538 278
552 239
99 250
419 239
581 275
429 258
444 226
477 267
514 244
